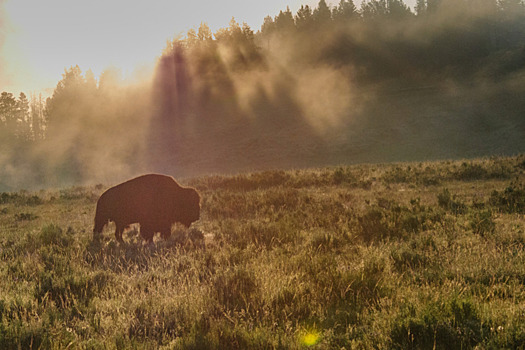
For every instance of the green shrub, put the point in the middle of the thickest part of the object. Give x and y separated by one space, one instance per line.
21 198
482 170
158 322
64 286
18 335
503 338
408 258
470 172
343 175
482 222
235 289
53 235
453 325
321 240
373 225
391 220
25 217
361 288
511 200
450 203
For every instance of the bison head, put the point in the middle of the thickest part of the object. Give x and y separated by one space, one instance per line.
191 208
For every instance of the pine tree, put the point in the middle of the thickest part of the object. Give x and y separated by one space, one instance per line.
304 18
421 7
268 26
191 37
374 8
37 118
345 11
8 116
284 22
322 14
23 123
204 33
385 8
398 9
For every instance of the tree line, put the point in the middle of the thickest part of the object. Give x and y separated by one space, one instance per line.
21 118
501 28
217 93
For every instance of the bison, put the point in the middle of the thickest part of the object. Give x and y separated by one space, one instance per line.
154 201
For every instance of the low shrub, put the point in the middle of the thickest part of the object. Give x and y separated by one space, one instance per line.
388 219
21 198
25 217
408 258
451 203
470 172
481 222
235 289
373 225
452 324
17 335
511 200
53 235
482 170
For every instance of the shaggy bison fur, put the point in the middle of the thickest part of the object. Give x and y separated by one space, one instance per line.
154 201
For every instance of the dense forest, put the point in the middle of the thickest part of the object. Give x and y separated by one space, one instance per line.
326 85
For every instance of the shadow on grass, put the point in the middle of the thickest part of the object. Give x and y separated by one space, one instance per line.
135 254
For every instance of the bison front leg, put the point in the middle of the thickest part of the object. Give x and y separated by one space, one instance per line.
118 233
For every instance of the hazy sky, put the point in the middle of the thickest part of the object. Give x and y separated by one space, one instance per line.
39 39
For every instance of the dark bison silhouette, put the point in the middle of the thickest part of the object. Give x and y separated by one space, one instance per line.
154 201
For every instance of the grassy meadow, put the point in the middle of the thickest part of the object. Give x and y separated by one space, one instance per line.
388 256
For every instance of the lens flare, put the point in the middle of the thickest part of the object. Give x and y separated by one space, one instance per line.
310 338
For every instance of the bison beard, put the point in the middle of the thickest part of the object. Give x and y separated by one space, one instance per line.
154 201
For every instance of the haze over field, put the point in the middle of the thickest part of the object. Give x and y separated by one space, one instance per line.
313 85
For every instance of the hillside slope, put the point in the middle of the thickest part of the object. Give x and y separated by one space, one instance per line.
388 125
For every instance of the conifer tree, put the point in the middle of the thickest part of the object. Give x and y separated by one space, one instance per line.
8 117
345 11
23 123
284 22
204 33
304 18
37 118
322 14
421 7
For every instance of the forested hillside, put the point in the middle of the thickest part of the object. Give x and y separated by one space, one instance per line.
325 85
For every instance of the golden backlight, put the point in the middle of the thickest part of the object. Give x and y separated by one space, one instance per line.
39 39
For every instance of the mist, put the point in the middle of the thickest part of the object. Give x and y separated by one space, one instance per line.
351 85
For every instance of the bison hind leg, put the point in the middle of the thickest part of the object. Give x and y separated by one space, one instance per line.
148 236
166 232
147 233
